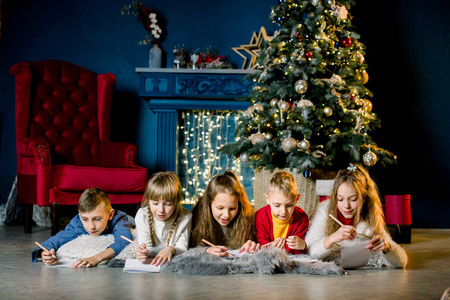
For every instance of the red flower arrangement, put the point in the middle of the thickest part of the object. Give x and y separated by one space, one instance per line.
209 58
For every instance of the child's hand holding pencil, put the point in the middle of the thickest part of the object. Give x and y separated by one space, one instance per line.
216 250
48 256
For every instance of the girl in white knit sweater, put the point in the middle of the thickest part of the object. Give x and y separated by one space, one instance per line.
162 224
355 202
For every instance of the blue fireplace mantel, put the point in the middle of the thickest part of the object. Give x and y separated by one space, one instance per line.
169 91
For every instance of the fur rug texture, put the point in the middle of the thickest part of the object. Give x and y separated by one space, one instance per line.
266 261
87 246
197 262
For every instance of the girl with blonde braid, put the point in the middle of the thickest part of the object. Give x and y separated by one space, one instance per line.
162 224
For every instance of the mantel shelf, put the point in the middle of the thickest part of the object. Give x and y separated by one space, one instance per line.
194 71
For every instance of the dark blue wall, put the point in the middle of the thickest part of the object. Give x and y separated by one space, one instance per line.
407 52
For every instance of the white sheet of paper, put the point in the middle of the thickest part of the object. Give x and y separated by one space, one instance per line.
135 266
355 256
235 253
63 263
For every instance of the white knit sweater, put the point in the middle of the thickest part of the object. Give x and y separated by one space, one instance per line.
180 237
315 237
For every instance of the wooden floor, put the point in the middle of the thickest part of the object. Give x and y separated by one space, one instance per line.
427 276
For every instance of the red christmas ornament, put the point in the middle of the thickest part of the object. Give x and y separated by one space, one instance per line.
298 34
309 54
347 42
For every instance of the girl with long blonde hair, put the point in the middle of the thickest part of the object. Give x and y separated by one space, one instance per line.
162 224
355 202
224 216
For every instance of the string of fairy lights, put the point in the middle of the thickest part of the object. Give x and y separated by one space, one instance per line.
203 133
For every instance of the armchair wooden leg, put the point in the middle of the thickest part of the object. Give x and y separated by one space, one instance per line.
55 215
28 217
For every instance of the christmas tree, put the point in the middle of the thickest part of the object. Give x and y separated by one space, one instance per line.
310 108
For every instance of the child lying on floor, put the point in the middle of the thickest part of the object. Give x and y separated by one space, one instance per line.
281 223
96 217
356 204
224 217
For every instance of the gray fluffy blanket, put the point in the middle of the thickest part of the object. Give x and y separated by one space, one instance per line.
266 261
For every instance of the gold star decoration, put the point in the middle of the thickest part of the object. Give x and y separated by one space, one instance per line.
253 48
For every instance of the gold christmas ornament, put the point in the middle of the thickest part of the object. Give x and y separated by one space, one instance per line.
258 106
365 76
304 144
327 111
368 105
287 144
273 102
301 86
358 57
370 158
256 138
304 103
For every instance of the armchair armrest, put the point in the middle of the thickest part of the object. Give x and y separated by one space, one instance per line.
117 154
34 159
34 147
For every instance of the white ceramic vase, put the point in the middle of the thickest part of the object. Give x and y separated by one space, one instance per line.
154 57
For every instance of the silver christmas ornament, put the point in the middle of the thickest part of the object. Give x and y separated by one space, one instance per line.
304 144
370 158
301 86
243 157
284 106
256 138
327 111
287 144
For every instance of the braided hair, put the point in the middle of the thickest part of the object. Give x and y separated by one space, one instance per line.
163 186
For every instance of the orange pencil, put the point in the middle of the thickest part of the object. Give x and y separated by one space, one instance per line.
212 245
133 242
337 221
340 223
43 248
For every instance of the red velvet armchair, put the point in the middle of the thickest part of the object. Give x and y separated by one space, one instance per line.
63 147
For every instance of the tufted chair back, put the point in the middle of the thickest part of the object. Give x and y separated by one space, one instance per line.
62 138
63 111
